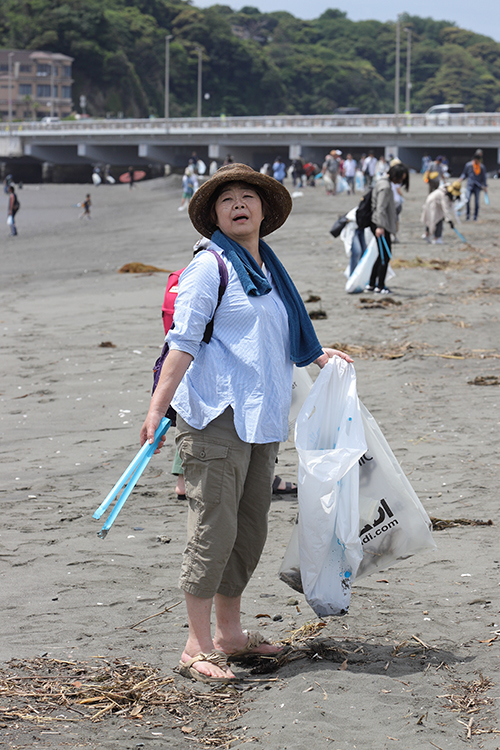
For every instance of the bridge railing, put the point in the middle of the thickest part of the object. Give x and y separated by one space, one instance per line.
288 122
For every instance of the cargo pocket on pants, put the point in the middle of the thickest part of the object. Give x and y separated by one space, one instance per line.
204 467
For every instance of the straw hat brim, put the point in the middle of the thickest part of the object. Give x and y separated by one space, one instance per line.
273 192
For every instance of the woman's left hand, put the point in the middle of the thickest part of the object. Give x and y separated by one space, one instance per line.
328 354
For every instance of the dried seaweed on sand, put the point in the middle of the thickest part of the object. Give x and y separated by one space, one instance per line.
438 524
415 348
466 698
49 692
485 380
141 268
378 303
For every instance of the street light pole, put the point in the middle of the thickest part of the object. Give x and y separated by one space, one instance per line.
199 51
396 82
11 54
167 76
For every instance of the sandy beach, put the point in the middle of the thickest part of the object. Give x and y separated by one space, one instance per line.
415 663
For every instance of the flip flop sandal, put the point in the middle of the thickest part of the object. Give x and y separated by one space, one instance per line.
218 658
255 639
289 489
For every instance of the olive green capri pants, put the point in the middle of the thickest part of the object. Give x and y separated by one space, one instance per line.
228 488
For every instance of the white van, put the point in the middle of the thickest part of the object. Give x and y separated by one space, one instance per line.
440 113
49 120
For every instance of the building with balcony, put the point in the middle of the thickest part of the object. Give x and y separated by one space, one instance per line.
34 84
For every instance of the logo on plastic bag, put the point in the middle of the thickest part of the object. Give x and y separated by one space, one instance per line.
384 521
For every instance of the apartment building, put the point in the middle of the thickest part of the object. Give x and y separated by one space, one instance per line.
39 83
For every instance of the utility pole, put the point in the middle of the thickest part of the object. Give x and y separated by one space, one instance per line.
199 51
11 54
396 82
167 77
52 89
408 69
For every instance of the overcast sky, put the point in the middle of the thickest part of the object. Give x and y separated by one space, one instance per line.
484 18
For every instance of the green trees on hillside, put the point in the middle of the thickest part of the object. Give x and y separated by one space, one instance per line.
253 62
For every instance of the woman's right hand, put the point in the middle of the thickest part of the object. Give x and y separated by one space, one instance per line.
379 232
148 429
172 372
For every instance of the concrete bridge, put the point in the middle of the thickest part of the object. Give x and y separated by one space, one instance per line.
253 140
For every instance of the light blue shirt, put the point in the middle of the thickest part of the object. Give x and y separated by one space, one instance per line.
247 363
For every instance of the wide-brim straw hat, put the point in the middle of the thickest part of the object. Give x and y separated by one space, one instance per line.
455 188
277 197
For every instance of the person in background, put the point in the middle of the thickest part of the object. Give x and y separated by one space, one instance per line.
86 204
434 174
350 173
384 223
279 169
381 168
12 209
369 167
475 174
437 209
297 172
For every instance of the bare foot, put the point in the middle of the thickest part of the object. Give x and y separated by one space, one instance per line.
208 668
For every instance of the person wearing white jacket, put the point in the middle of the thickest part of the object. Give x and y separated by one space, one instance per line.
439 208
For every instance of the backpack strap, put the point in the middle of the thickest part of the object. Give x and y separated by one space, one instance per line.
223 279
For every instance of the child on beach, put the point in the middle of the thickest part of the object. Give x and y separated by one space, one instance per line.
86 207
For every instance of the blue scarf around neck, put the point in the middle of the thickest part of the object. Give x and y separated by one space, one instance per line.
304 344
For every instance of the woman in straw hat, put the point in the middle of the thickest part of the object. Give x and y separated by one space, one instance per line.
437 209
232 398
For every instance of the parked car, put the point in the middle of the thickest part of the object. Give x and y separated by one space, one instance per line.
49 120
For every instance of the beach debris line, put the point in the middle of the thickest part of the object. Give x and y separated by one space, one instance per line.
378 303
318 315
438 524
141 268
417 348
50 692
485 380
468 698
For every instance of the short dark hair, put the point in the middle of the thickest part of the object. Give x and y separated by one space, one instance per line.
401 174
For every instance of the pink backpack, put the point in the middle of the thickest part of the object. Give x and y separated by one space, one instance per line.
167 309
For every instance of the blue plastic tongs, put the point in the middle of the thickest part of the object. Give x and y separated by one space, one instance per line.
129 478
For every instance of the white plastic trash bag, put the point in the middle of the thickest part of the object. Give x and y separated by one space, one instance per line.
393 523
361 274
330 441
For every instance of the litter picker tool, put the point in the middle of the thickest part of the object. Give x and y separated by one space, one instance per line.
459 235
129 478
384 241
